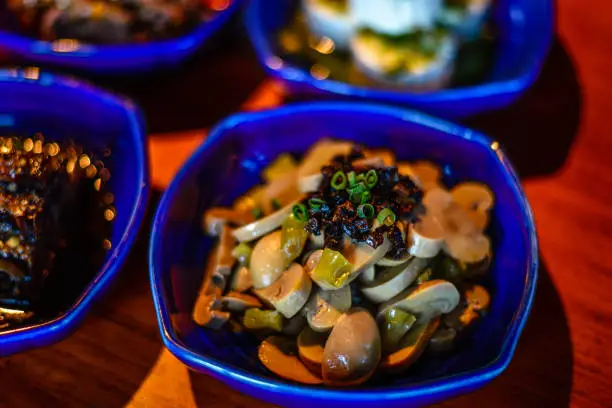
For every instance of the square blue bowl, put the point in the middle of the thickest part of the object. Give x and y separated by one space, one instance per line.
63 108
113 59
229 163
525 34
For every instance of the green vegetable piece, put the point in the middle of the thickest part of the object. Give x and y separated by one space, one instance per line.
339 181
257 213
365 211
316 203
424 277
242 253
352 178
371 178
256 319
275 204
293 238
394 324
332 271
300 212
386 216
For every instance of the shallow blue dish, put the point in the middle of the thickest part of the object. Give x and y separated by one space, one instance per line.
525 33
114 59
229 163
63 109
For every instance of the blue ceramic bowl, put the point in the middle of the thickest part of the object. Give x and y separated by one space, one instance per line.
229 163
525 35
63 108
113 59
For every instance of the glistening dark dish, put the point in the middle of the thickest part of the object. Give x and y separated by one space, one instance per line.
55 225
354 262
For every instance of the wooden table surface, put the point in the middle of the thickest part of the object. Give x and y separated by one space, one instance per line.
560 140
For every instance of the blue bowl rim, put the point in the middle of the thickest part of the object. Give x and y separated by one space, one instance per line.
291 73
443 384
63 323
23 45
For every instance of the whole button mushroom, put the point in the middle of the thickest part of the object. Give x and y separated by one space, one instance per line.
352 351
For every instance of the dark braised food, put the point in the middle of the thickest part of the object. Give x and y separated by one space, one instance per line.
54 226
108 21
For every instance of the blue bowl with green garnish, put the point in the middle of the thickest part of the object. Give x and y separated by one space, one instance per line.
230 162
522 36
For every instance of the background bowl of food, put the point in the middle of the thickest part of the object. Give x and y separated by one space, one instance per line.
449 57
303 270
109 37
74 188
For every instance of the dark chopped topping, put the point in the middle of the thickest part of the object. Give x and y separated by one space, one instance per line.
344 188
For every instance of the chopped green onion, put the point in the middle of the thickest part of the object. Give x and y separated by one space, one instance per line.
371 178
386 216
257 213
293 238
365 211
300 212
338 181
276 205
356 193
242 253
365 197
361 177
357 188
256 319
352 178
316 203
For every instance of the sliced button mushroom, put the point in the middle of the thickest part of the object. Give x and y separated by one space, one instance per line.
426 301
325 307
437 200
259 228
369 162
411 347
289 293
317 241
224 260
239 302
310 183
321 154
11 270
469 249
368 275
267 260
312 260
428 173
427 237
392 281
311 345
352 351
216 218
295 325
473 196
390 262
241 281
278 354
206 313
386 155
406 169
443 340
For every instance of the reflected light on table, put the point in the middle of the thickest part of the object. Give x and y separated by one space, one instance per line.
65 45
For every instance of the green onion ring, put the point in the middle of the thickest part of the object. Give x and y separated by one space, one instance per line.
338 181
300 212
386 217
365 211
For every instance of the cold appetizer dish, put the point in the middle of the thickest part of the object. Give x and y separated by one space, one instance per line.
110 21
55 220
348 264
417 45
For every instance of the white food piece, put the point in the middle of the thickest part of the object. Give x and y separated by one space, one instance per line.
467 25
427 237
241 281
368 274
362 256
289 293
313 261
206 313
224 260
326 306
263 226
309 184
239 302
317 241
473 196
390 262
267 261
321 155
326 21
468 248
426 301
216 218
437 200
392 281
278 355
395 17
